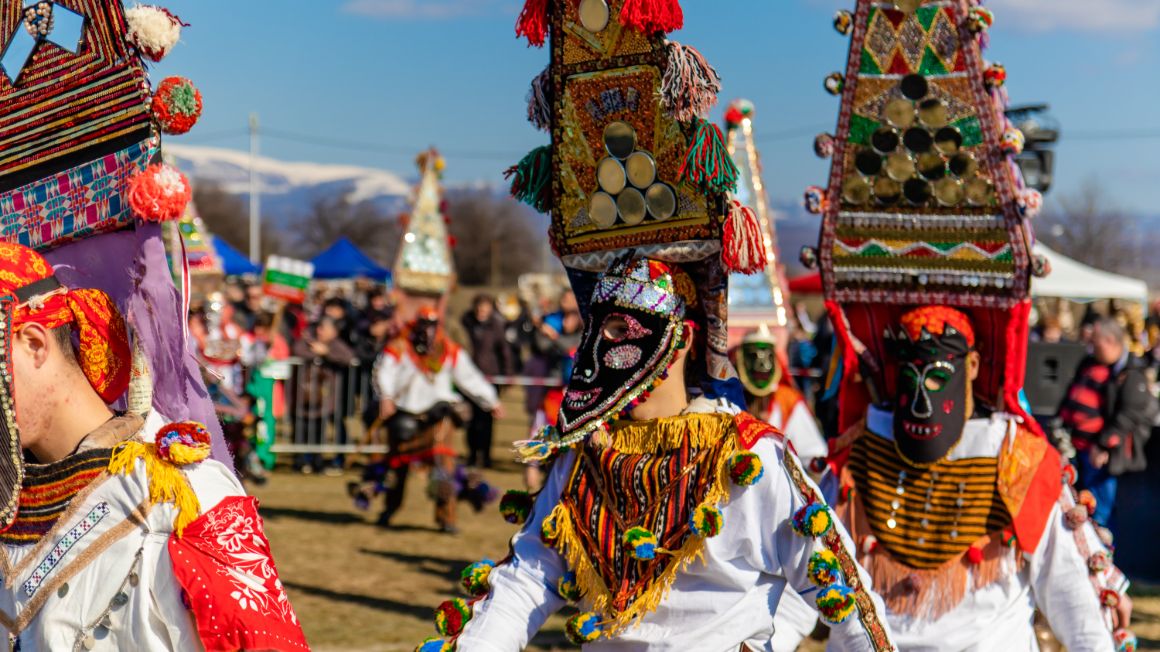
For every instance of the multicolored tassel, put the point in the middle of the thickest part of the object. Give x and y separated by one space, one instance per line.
1099 562
746 469
568 587
690 85
640 543
434 645
451 616
706 521
532 177
533 22
540 101
515 506
813 520
584 628
742 240
823 568
651 16
475 579
835 603
708 163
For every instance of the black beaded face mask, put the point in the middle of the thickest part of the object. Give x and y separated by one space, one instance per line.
630 337
933 393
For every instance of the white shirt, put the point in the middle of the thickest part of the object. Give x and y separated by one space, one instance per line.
713 606
801 429
999 616
397 378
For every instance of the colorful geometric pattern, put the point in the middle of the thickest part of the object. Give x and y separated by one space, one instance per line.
47 492
598 78
66 543
921 202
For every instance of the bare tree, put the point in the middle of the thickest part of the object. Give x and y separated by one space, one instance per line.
363 223
497 238
227 217
1088 227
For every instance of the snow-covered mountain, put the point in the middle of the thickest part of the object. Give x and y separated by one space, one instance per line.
289 188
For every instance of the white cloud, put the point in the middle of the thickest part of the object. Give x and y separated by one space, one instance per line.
1080 15
418 9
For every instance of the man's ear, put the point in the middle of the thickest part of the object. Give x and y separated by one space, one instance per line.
36 341
973 362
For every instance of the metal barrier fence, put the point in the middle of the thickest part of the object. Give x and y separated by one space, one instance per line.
329 409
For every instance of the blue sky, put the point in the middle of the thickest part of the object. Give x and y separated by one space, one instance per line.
412 73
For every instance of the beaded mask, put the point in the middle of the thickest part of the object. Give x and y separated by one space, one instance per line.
934 388
757 363
631 335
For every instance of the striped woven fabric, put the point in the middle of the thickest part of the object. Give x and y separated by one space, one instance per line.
610 492
942 509
47 492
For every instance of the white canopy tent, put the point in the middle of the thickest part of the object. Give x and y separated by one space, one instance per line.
1071 279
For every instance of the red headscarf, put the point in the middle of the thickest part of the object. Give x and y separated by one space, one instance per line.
104 354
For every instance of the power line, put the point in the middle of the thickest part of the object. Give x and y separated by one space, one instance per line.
381 148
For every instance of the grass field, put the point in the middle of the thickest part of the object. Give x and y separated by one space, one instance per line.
358 588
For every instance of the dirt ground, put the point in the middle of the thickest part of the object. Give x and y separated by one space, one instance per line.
358 588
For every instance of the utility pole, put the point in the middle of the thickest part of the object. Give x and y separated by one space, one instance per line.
255 199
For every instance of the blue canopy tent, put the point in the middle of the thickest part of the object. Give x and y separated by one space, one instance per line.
344 260
233 262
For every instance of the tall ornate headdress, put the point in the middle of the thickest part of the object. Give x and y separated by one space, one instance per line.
425 264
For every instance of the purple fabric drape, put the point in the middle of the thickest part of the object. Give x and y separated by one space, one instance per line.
130 266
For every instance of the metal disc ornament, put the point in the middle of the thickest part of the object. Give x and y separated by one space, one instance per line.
594 15
619 139
642 169
661 201
610 175
631 205
948 191
856 191
899 166
602 209
899 113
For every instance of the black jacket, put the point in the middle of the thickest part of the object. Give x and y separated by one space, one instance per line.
1130 412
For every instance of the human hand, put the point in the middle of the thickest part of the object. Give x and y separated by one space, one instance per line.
1122 615
319 348
498 412
1098 457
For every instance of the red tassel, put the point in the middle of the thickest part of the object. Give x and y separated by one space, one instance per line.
743 245
650 16
533 22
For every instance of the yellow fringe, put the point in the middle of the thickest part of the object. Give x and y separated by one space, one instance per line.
167 484
182 455
657 435
707 428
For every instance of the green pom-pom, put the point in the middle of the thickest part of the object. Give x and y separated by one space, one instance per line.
474 578
641 543
813 520
531 179
515 506
745 469
549 531
584 628
435 645
568 588
706 521
824 569
451 616
835 603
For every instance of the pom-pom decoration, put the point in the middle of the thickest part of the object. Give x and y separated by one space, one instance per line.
1076 516
550 531
835 603
975 555
844 22
738 111
742 240
813 520
1125 640
1106 537
869 544
159 193
515 506
640 543
183 443
706 521
1070 475
434 645
475 578
1088 500
451 616
808 256
814 200
834 83
568 587
584 628
980 19
1029 203
690 85
651 16
176 105
1109 598
824 146
745 469
1012 142
1099 562
708 163
152 30
531 178
995 75
823 568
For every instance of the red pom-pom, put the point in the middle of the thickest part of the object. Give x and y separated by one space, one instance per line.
733 117
1088 500
975 555
650 16
176 105
159 193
